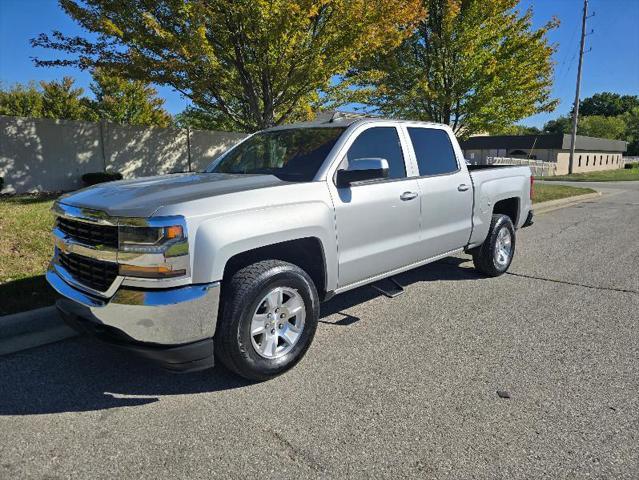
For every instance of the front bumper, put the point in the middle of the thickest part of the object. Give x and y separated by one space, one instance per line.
190 357
173 326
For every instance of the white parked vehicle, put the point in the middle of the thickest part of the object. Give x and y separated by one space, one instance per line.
236 259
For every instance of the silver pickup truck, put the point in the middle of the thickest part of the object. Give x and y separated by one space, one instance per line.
236 259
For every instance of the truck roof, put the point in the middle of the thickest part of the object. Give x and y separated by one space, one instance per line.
344 119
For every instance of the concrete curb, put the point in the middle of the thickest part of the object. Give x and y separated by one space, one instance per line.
545 207
31 329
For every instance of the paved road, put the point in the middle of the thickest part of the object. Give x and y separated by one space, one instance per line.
391 388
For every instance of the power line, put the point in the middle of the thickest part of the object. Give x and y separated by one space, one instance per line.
562 66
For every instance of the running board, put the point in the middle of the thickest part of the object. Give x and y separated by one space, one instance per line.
390 293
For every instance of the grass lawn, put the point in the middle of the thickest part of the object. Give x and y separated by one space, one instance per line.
618 175
544 192
25 250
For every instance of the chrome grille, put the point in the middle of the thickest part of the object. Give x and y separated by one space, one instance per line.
89 233
94 274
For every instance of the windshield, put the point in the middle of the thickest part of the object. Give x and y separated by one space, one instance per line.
292 155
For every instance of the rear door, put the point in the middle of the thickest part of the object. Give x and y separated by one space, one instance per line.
446 192
378 221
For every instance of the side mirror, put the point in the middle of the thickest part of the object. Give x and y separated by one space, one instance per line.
362 169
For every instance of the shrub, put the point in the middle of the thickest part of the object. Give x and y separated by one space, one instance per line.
93 178
631 165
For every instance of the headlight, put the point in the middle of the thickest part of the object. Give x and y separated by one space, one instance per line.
153 240
153 248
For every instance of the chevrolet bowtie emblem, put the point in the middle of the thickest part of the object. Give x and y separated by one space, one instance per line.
62 245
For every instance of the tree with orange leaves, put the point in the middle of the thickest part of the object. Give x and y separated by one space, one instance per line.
250 63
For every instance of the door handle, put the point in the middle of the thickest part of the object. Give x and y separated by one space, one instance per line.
408 195
463 187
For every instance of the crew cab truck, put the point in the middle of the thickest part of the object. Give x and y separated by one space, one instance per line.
236 259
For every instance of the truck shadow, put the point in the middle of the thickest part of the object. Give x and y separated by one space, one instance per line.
80 375
444 270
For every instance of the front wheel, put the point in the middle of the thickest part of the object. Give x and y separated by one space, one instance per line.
268 320
495 255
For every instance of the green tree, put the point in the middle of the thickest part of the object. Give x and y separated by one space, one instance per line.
477 65
561 124
116 100
130 102
631 135
591 126
602 127
608 104
60 100
516 130
196 118
21 101
257 62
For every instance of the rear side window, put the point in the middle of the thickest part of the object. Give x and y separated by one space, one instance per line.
380 142
434 152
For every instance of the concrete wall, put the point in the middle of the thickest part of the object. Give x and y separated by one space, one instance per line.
47 155
588 161
52 155
144 151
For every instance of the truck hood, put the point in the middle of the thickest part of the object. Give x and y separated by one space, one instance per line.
143 196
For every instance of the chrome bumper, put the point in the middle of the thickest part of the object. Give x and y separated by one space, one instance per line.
170 316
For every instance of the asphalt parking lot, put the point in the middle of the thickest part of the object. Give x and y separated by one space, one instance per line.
403 387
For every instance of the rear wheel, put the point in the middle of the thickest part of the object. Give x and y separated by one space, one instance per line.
495 255
268 319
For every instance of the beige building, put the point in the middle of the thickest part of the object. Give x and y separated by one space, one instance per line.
590 153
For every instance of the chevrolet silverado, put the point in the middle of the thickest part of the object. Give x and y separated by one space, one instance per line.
236 259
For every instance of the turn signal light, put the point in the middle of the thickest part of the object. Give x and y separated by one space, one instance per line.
173 232
150 272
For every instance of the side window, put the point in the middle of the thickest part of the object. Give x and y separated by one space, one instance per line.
434 152
380 142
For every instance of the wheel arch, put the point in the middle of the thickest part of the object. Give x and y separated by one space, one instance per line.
306 253
509 207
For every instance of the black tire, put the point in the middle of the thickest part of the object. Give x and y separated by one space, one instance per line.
242 297
484 256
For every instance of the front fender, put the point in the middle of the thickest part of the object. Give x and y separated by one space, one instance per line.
220 238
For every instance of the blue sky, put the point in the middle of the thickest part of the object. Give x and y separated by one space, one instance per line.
612 65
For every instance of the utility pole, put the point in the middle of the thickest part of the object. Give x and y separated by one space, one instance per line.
575 110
